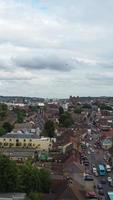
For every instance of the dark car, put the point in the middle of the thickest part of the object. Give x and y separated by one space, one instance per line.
101 192
88 178
103 181
111 184
99 186
86 163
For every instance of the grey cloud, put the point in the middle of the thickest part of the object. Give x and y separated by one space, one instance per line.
100 80
44 63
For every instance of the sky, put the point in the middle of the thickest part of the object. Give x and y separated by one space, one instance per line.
56 48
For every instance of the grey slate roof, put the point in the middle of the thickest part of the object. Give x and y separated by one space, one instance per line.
21 135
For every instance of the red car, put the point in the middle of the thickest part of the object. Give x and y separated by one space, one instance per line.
91 195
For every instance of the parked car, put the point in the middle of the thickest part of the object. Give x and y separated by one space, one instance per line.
111 183
99 186
94 169
88 178
103 181
109 179
91 195
96 174
101 192
108 168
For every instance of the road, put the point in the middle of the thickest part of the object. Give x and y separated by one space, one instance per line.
95 156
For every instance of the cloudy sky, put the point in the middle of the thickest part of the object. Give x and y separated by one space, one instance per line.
56 48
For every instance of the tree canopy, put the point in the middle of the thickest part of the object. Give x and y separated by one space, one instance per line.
49 129
25 178
105 107
3 111
66 120
61 110
8 175
8 127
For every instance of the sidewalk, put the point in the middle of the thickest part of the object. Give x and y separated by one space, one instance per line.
79 166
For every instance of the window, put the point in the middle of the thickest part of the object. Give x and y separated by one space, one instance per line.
17 140
24 140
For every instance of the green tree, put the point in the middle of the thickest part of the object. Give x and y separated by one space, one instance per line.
49 129
78 110
36 196
45 180
2 131
8 175
34 180
86 106
4 107
105 107
61 110
21 114
66 120
8 127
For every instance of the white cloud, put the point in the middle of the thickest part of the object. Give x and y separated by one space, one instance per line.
55 48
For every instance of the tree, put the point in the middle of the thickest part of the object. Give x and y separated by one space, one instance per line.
86 106
8 127
8 175
2 131
3 111
66 120
33 179
3 107
49 129
34 196
78 110
105 107
61 110
21 114
45 180
25 178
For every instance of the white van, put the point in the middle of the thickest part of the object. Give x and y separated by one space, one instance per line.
108 168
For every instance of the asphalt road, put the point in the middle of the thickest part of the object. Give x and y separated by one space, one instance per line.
97 157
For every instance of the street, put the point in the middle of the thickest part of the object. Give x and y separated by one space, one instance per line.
95 156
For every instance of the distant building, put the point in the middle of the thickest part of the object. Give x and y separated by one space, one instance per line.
26 140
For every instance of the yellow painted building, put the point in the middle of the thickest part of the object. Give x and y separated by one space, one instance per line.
26 141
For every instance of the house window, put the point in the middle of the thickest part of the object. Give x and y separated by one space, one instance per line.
24 140
17 140
10 140
4 139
